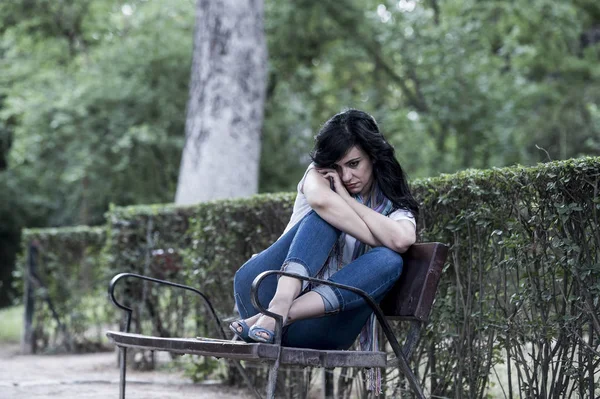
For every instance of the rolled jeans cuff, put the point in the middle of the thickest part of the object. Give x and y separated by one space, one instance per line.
297 268
330 299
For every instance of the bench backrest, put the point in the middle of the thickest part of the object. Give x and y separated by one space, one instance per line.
412 296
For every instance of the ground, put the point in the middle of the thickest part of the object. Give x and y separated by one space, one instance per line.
93 376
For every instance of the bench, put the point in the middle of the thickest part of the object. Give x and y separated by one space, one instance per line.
409 300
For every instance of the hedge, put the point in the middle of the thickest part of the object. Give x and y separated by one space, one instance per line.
523 283
69 305
520 290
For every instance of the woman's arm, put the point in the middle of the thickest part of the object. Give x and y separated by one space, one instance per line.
395 235
334 209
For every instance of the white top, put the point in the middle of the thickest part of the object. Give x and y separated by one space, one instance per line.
302 208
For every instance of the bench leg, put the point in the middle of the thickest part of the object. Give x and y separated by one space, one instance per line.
123 368
272 381
273 371
412 339
328 383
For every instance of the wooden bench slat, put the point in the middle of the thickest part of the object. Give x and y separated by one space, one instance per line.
234 350
250 352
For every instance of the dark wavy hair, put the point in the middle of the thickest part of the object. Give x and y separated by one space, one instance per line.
357 128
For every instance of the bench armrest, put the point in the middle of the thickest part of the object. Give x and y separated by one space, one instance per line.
128 310
279 319
387 329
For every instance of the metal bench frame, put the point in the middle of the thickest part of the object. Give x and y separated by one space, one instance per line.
410 299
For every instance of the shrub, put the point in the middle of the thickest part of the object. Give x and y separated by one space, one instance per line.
66 280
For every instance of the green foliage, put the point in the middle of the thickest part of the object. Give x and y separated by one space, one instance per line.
523 281
69 285
12 324
200 245
201 368
94 100
93 93
454 84
92 110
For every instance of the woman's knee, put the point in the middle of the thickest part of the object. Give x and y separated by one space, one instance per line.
389 261
317 221
237 278
244 276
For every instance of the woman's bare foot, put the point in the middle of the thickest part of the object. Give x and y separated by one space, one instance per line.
267 322
250 321
262 320
288 289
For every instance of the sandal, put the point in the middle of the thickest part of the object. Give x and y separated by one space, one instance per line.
241 334
253 335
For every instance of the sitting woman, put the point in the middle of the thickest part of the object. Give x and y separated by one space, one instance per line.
353 217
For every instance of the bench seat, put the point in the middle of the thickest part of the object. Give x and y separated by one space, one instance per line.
251 352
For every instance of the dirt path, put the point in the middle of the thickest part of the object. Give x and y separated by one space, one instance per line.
93 376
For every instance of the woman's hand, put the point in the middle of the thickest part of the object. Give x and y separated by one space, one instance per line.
332 176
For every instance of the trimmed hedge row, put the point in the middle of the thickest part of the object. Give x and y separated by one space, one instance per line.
201 246
67 286
520 291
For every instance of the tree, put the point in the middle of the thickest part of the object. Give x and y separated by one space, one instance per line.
92 109
226 100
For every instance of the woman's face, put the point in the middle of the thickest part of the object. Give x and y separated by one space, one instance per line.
356 171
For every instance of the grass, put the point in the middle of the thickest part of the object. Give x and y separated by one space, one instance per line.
11 324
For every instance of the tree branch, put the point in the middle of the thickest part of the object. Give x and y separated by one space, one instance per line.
373 48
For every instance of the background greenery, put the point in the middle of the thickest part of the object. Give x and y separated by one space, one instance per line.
67 281
12 324
93 93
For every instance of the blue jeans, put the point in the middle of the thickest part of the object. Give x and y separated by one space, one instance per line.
304 249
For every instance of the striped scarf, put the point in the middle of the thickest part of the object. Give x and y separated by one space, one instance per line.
377 201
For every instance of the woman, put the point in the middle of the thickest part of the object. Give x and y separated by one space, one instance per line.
352 218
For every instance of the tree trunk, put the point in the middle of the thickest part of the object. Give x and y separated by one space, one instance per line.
226 102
